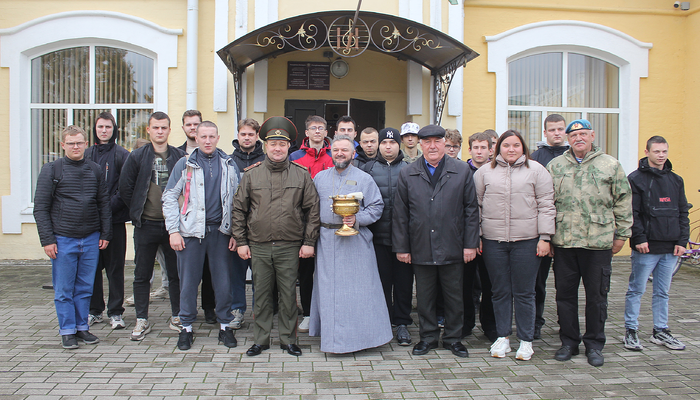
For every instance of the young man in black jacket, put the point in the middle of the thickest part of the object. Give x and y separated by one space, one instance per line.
110 157
555 133
141 184
660 233
396 276
73 217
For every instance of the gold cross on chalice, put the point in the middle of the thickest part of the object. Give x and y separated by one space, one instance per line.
346 205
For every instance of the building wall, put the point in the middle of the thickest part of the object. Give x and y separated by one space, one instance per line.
668 97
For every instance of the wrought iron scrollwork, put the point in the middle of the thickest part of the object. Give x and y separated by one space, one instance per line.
309 36
387 38
443 80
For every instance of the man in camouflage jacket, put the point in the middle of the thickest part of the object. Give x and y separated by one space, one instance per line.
594 218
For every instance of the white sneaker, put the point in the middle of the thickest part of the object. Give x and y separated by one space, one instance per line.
525 351
117 322
237 322
304 325
129 301
161 293
94 319
142 328
500 347
175 323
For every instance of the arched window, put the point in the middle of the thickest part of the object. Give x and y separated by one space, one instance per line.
567 83
575 68
72 86
64 68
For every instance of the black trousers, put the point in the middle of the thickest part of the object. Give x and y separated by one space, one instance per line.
147 238
208 298
307 266
112 262
571 265
428 279
397 282
487 317
541 290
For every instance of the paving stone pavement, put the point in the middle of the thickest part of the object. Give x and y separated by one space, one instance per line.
34 366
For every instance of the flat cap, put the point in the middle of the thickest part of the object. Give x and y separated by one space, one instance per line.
431 131
279 128
577 125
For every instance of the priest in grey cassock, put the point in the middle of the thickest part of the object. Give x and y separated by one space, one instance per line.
348 309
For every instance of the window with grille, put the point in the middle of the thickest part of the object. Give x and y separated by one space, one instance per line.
72 86
567 83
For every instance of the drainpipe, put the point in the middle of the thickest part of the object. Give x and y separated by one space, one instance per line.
192 38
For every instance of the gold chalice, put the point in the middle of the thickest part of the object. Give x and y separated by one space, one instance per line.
345 206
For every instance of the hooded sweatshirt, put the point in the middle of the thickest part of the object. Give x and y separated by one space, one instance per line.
110 157
546 153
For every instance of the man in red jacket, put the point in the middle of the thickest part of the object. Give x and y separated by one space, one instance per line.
315 155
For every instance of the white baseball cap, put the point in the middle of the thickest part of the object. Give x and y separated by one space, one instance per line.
409 127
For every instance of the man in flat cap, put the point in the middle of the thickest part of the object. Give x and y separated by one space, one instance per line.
275 221
435 227
594 218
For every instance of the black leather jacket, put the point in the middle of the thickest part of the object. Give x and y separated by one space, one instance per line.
136 177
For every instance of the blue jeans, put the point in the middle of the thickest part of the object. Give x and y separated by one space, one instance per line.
643 265
238 274
73 276
513 270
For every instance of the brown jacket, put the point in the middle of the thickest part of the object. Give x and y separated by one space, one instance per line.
516 202
276 202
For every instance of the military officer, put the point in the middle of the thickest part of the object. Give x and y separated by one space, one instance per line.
275 222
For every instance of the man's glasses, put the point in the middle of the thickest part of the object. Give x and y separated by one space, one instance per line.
451 147
316 128
74 144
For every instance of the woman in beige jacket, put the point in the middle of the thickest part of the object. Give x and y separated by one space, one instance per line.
516 202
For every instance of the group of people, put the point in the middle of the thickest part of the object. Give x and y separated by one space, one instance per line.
488 226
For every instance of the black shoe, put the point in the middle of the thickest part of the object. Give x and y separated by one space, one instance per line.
87 337
69 342
403 336
538 333
595 357
292 349
457 348
565 352
256 349
423 348
185 340
227 337
210 316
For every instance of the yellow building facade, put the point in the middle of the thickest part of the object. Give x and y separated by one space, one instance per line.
626 65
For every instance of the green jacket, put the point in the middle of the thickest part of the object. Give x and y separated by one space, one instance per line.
276 202
593 201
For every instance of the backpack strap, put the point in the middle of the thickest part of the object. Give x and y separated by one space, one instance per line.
187 190
57 175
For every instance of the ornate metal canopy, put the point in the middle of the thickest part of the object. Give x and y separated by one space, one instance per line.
387 34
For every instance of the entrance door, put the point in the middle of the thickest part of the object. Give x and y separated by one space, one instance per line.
367 113
298 110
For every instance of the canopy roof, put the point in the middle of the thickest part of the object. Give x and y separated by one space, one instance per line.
388 34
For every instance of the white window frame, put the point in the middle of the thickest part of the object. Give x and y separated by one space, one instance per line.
599 41
20 44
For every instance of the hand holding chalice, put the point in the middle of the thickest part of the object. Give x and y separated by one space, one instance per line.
345 206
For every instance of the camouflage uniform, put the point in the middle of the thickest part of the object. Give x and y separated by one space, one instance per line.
593 201
594 206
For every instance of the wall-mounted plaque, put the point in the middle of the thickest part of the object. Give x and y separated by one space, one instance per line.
308 75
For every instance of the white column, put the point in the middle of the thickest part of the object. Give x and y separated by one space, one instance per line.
413 10
192 39
221 74
455 97
266 11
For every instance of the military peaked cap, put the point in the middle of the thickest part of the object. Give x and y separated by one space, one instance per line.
279 128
